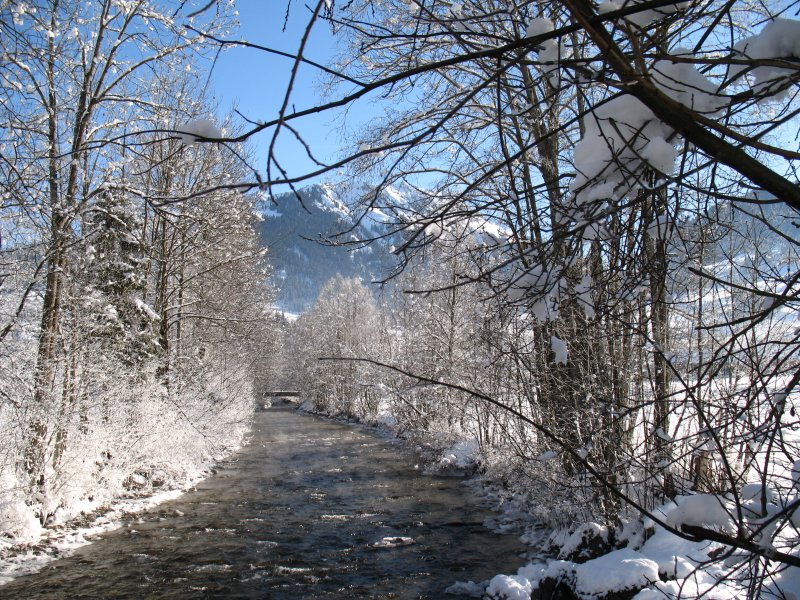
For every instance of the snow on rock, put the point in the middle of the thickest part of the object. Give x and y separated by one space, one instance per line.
509 587
675 556
631 534
587 541
393 542
467 588
595 571
553 569
616 571
197 130
702 510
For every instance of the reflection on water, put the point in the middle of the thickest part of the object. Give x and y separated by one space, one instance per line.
309 509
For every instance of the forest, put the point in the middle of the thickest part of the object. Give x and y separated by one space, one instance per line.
593 297
126 360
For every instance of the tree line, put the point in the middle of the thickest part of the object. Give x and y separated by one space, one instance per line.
600 272
133 309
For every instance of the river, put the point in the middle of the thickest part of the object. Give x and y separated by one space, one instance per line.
310 508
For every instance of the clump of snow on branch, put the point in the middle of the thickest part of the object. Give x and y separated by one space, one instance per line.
539 26
778 39
583 292
541 284
559 347
685 84
145 309
641 18
551 52
198 130
623 136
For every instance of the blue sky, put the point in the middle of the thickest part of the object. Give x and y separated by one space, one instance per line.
255 82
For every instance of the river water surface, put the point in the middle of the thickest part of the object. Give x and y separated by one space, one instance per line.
310 508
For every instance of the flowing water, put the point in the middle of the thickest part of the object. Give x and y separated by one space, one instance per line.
310 508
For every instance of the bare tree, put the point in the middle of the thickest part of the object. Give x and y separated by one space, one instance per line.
605 144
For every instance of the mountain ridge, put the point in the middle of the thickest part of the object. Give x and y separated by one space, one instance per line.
311 241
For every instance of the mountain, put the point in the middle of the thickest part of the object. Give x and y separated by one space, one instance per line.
310 242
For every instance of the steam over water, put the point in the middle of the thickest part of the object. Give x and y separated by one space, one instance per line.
309 509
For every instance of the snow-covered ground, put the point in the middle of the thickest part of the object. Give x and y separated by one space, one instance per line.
62 540
642 559
36 546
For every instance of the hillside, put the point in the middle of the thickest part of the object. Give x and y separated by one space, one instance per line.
304 248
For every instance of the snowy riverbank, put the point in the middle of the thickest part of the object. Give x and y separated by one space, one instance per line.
34 546
642 559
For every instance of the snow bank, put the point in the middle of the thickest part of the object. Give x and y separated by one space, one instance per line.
665 566
462 456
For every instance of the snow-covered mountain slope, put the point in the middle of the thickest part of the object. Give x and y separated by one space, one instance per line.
311 242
